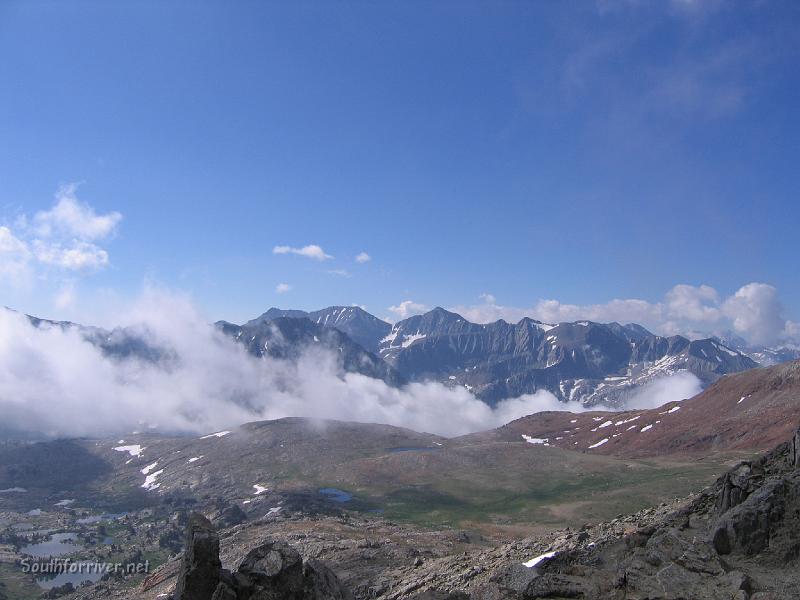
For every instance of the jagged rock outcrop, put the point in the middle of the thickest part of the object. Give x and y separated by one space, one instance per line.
751 526
738 484
272 571
759 506
796 449
200 569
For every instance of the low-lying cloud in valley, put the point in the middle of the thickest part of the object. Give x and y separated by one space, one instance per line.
55 382
658 392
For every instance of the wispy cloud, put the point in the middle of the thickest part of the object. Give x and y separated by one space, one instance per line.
363 257
710 74
283 288
311 251
709 84
340 272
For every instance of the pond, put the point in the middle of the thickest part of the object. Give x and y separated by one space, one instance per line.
59 544
336 495
98 518
76 578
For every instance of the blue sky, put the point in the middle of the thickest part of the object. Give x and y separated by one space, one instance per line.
487 156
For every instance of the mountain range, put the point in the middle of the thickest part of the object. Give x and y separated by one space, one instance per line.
587 362
583 361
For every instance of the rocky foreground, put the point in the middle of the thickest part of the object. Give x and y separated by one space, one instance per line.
738 539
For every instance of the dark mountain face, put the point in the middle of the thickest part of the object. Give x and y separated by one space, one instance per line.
288 338
363 328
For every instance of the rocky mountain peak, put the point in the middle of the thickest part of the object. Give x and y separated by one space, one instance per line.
274 313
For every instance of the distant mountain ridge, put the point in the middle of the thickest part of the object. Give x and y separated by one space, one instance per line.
763 355
592 363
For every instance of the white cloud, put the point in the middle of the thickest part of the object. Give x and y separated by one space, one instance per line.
211 384
695 303
408 308
311 251
340 272
64 238
73 218
754 312
363 257
282 288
